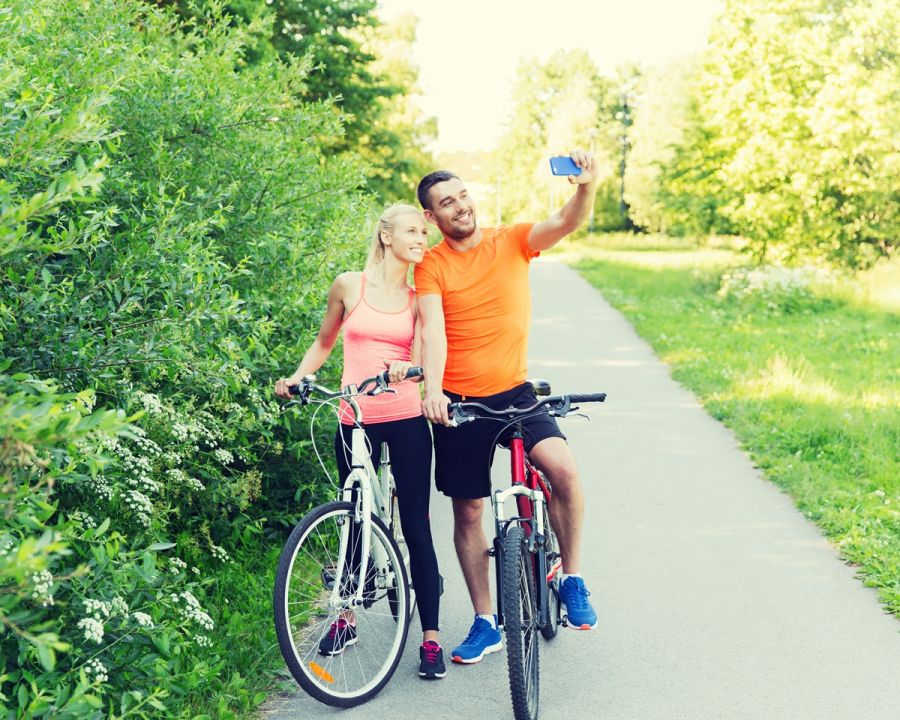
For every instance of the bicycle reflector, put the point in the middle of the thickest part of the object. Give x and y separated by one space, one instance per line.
320 672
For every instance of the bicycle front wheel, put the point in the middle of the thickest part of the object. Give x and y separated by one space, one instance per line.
519 600
307 608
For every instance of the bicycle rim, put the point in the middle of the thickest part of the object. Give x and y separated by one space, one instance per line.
520 623
305 607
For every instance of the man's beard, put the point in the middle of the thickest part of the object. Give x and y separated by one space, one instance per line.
457 234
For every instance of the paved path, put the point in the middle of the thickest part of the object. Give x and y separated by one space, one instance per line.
717 599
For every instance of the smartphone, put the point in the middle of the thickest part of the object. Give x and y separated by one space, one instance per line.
564 165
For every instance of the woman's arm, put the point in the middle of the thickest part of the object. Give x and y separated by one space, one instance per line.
319 351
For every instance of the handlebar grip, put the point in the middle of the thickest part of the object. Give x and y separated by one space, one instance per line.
413 372
294 389
591 397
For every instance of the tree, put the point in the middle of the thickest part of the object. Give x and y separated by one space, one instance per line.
357 64
556 107
801 103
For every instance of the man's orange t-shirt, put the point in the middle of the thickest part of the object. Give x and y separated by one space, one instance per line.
487 309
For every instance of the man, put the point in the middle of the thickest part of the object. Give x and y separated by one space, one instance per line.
475 306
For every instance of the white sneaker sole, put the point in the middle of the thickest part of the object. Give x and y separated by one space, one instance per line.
470 661
347 644
572 626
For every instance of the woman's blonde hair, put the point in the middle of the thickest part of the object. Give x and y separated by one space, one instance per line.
386 224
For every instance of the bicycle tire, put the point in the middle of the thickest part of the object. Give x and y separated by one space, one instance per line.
520 623
304 611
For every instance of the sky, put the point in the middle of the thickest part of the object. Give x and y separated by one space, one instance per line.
468 50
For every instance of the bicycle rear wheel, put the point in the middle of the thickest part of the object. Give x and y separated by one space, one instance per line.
305 606
551 551
519 601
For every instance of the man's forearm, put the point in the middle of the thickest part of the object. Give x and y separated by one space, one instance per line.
577 209
434 359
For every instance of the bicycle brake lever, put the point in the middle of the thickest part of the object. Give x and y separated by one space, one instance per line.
581 414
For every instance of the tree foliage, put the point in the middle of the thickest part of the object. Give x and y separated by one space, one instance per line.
790 134
358 64
169 223
558 105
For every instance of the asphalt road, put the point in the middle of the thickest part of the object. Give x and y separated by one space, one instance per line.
717 599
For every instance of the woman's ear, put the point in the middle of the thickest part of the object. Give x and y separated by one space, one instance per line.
385 237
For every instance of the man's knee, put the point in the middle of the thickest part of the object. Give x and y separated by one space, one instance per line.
467 513
554 458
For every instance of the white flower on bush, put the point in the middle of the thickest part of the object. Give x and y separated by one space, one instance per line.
179 477
180 432
118 606
151 403
93 629
97 670
6 544
141 505
223 456
98 609
176 565
171 458
191 609
43 587
101 488
218 552
143 619
203 641
773 283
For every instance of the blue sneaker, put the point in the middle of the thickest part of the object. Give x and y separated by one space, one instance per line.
573 595
481 640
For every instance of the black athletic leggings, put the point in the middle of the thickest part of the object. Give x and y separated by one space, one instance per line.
409 442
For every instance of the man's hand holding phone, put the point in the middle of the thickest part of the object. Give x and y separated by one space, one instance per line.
578 167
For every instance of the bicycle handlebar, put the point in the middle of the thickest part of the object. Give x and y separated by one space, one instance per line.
380 381
559 405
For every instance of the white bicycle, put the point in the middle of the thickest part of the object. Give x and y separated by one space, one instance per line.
346 561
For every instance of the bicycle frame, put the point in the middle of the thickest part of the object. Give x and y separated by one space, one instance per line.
368 491
532 497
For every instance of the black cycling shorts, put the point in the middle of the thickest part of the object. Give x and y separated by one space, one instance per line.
463 455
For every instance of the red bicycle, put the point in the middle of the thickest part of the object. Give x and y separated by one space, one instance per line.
525 549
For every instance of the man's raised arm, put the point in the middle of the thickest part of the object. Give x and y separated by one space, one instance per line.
569 217
434 358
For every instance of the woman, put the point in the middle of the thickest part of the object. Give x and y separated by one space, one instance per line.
378 313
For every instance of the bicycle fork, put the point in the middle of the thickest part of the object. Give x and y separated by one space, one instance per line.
531 517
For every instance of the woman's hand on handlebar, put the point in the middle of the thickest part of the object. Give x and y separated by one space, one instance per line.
397 370
281 387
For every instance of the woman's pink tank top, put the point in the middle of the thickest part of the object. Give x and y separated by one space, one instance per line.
372 337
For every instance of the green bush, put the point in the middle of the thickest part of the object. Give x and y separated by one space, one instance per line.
168 227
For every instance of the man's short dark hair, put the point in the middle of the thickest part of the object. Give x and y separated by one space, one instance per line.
428 182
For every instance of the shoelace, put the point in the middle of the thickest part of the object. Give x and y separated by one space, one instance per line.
339 625
432 650
578 596
477 630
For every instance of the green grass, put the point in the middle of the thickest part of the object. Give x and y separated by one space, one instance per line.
250 662
810 388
